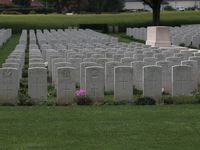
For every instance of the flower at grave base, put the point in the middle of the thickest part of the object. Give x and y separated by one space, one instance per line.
81 92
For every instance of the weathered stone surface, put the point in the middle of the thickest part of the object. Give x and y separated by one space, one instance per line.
152 82
37 84
66 85
123 83
95 79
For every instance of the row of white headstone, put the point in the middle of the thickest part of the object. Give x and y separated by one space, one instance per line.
189 35
99 63
5 34
11 72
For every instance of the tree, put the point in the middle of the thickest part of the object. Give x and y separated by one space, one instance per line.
114 5
155 5
25 3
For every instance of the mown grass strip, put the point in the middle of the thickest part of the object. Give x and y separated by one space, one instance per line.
100 127
8 47
124 38
55 21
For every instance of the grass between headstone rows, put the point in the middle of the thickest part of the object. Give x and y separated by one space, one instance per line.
100 127
8 47
124 38
55 21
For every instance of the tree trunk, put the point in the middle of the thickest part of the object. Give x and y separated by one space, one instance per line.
156 14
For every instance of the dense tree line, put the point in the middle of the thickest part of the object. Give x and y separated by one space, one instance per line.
24 3
97 6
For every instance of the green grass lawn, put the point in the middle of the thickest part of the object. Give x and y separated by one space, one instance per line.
124 38
18 22
8 47
100 127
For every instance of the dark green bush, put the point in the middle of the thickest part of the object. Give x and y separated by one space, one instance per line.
137 92
182 44
11 12
167 100
24 98
51 91
197 96
145 101
109 93
124 103
185 100
169 8
83 100
24 83
25 73
77 86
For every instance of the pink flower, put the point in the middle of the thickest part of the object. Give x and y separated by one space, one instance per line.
81 92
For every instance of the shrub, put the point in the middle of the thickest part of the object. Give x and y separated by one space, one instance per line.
10 12
167 100
169 8
145 101
24 98
77 86
137 92
51 91
197 96
83 100
24 83
109 93
182 44
185 99
25 73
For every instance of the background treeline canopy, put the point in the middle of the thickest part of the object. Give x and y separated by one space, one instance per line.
60 6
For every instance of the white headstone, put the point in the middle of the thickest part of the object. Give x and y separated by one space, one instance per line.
9 85
66 86
109 75
182 80
123 83
83 65
37 84
95 79
152 82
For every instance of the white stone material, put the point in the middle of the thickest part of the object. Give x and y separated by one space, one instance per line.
127 61
53 62
13 65
94 83
76 64
56 66
174 60
123 83
109 75
37 84
152 82
194 65
138 74
83 65
196 58
182 83
33 65
166 75
9 85
150 61
158 36
66 85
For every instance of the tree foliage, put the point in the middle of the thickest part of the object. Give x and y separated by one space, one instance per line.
155 5
96 6
25 3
